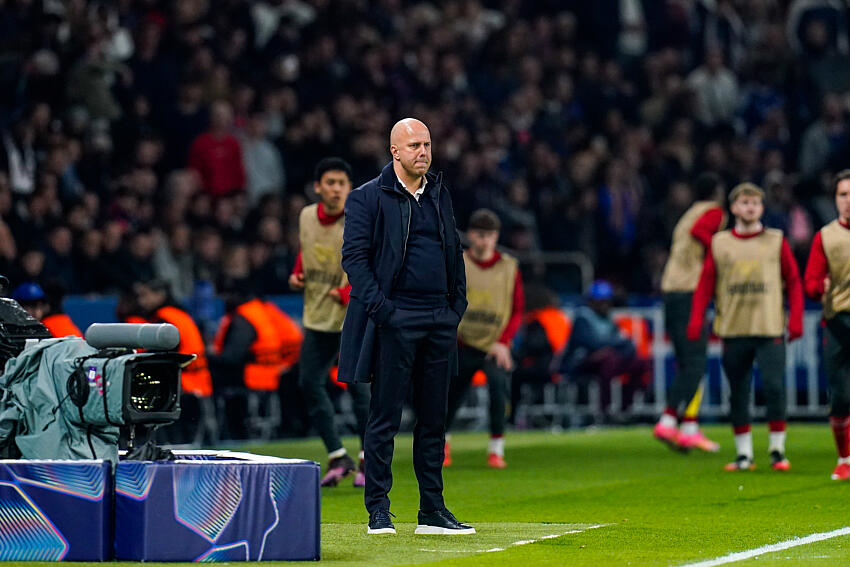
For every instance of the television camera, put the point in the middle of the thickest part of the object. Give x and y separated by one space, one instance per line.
70 398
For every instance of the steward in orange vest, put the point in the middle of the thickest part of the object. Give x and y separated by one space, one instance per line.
248 343
156 303
60 325
545 331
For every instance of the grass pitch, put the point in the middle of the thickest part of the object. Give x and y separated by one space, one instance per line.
652 506
597 498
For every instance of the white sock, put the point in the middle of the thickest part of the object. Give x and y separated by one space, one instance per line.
776 442
844 460
668 420
497 446
361 455
337 454
448 437
689 428
744 444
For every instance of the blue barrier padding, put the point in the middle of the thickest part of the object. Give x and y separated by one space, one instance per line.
221 508
55 511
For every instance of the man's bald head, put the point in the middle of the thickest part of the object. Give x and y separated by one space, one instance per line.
410 146
406 127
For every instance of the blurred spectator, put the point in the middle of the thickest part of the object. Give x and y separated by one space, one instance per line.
216 154
825 143
716 88
58 259
173 261
263 164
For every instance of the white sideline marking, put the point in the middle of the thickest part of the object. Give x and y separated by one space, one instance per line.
514 544
796 542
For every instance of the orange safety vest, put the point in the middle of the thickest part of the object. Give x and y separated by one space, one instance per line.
60 325
136 319
195 378
290 335
556 325
264 370
636 329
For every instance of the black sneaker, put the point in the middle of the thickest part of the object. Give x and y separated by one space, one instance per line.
338 469
441 522
380 523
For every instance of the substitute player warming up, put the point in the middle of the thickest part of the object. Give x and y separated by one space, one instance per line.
318 271
745 271
828 279
494 292
691 238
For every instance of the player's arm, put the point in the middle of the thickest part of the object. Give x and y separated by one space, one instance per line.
702 296
817 269
794 291
356 257
341 294
708 224
501 350
517 310
296 278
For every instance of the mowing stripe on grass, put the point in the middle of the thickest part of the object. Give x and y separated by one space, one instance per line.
796 542
516 543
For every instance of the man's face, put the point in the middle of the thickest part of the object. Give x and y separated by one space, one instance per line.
748 208
483 242
413 150
333 188
35 308
842 199
601 307
148 298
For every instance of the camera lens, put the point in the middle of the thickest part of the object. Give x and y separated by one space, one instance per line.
152 388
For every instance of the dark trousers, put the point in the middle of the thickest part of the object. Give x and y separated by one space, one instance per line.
318 353
606 364
691 356
836 363
738 356
414 348
470 361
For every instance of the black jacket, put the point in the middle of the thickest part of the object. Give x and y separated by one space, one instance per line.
377 223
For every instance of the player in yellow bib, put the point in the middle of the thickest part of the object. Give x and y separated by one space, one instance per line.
318 272
691 238
494 314
828 279
746 271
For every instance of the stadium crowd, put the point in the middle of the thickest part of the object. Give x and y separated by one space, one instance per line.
175 140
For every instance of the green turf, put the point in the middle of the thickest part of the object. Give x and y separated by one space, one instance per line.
658 507
653 506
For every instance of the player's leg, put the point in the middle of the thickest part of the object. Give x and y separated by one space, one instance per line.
318 352
470 360
690 436
690 363
738 356
770 355
498 381
836 362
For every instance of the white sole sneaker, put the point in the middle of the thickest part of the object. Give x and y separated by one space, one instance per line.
379 531
434 530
